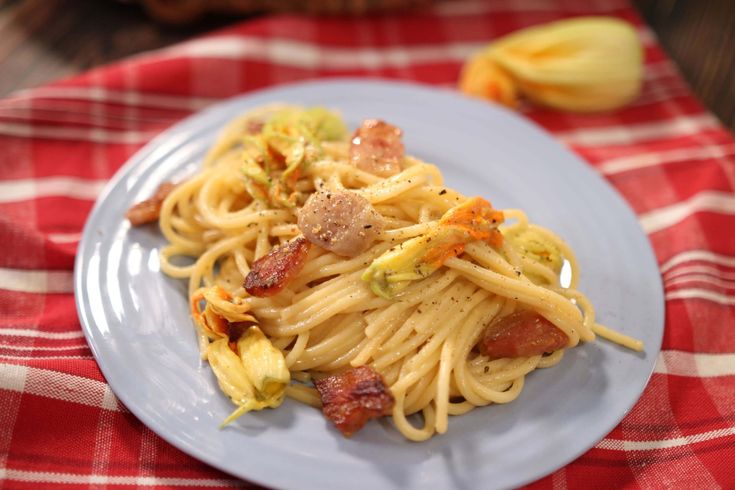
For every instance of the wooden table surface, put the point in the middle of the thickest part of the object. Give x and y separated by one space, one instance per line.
47 39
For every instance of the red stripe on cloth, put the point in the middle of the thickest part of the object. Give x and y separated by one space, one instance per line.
709 319
684 181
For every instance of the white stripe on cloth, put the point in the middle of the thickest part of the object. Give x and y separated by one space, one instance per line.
9 408
644 160
96 135
59 386
697 255
27 332
703 270
37 348
709 201
656 95
636 133
77 112
652 445
36 281
45 358
144 481
26 189
128 97
705 294
660 69
307 55
191 103
702 279
695 365
311 56
62 238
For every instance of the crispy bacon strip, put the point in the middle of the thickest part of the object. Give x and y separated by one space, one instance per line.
377 148
149 210
272 272
521 334
352 398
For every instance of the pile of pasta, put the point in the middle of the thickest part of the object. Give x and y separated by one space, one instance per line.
421 330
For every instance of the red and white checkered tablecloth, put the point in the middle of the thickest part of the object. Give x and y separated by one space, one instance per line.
59 144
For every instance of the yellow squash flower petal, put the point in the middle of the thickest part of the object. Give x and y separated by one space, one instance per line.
581 64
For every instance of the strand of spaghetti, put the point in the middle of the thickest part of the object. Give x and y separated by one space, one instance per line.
179 196
417 366
394 186
405 427
488 257
344 359
262 242
288 230
333 345
534 296
382 329
422 393
316 298
442 386
551 360
337 266
241 261
617 337
435 175
408 231
206 261
304 394
231 135
327 168
320 312
298 349
172 270
428 289
460 408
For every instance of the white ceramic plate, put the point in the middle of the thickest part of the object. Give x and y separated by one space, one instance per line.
137 323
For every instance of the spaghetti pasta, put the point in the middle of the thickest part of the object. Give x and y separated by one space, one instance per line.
422 337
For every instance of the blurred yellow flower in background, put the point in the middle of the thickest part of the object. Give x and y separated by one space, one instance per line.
583 64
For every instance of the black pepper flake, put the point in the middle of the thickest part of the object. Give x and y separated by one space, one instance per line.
367 226
442 192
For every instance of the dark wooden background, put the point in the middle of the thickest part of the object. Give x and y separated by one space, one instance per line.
41 40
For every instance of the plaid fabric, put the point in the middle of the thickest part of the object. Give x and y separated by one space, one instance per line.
59 144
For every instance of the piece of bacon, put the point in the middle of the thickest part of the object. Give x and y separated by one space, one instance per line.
254 126
521 334
377 148
149 210
273 271
352 398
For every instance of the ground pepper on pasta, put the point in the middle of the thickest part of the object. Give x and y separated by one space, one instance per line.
343 273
